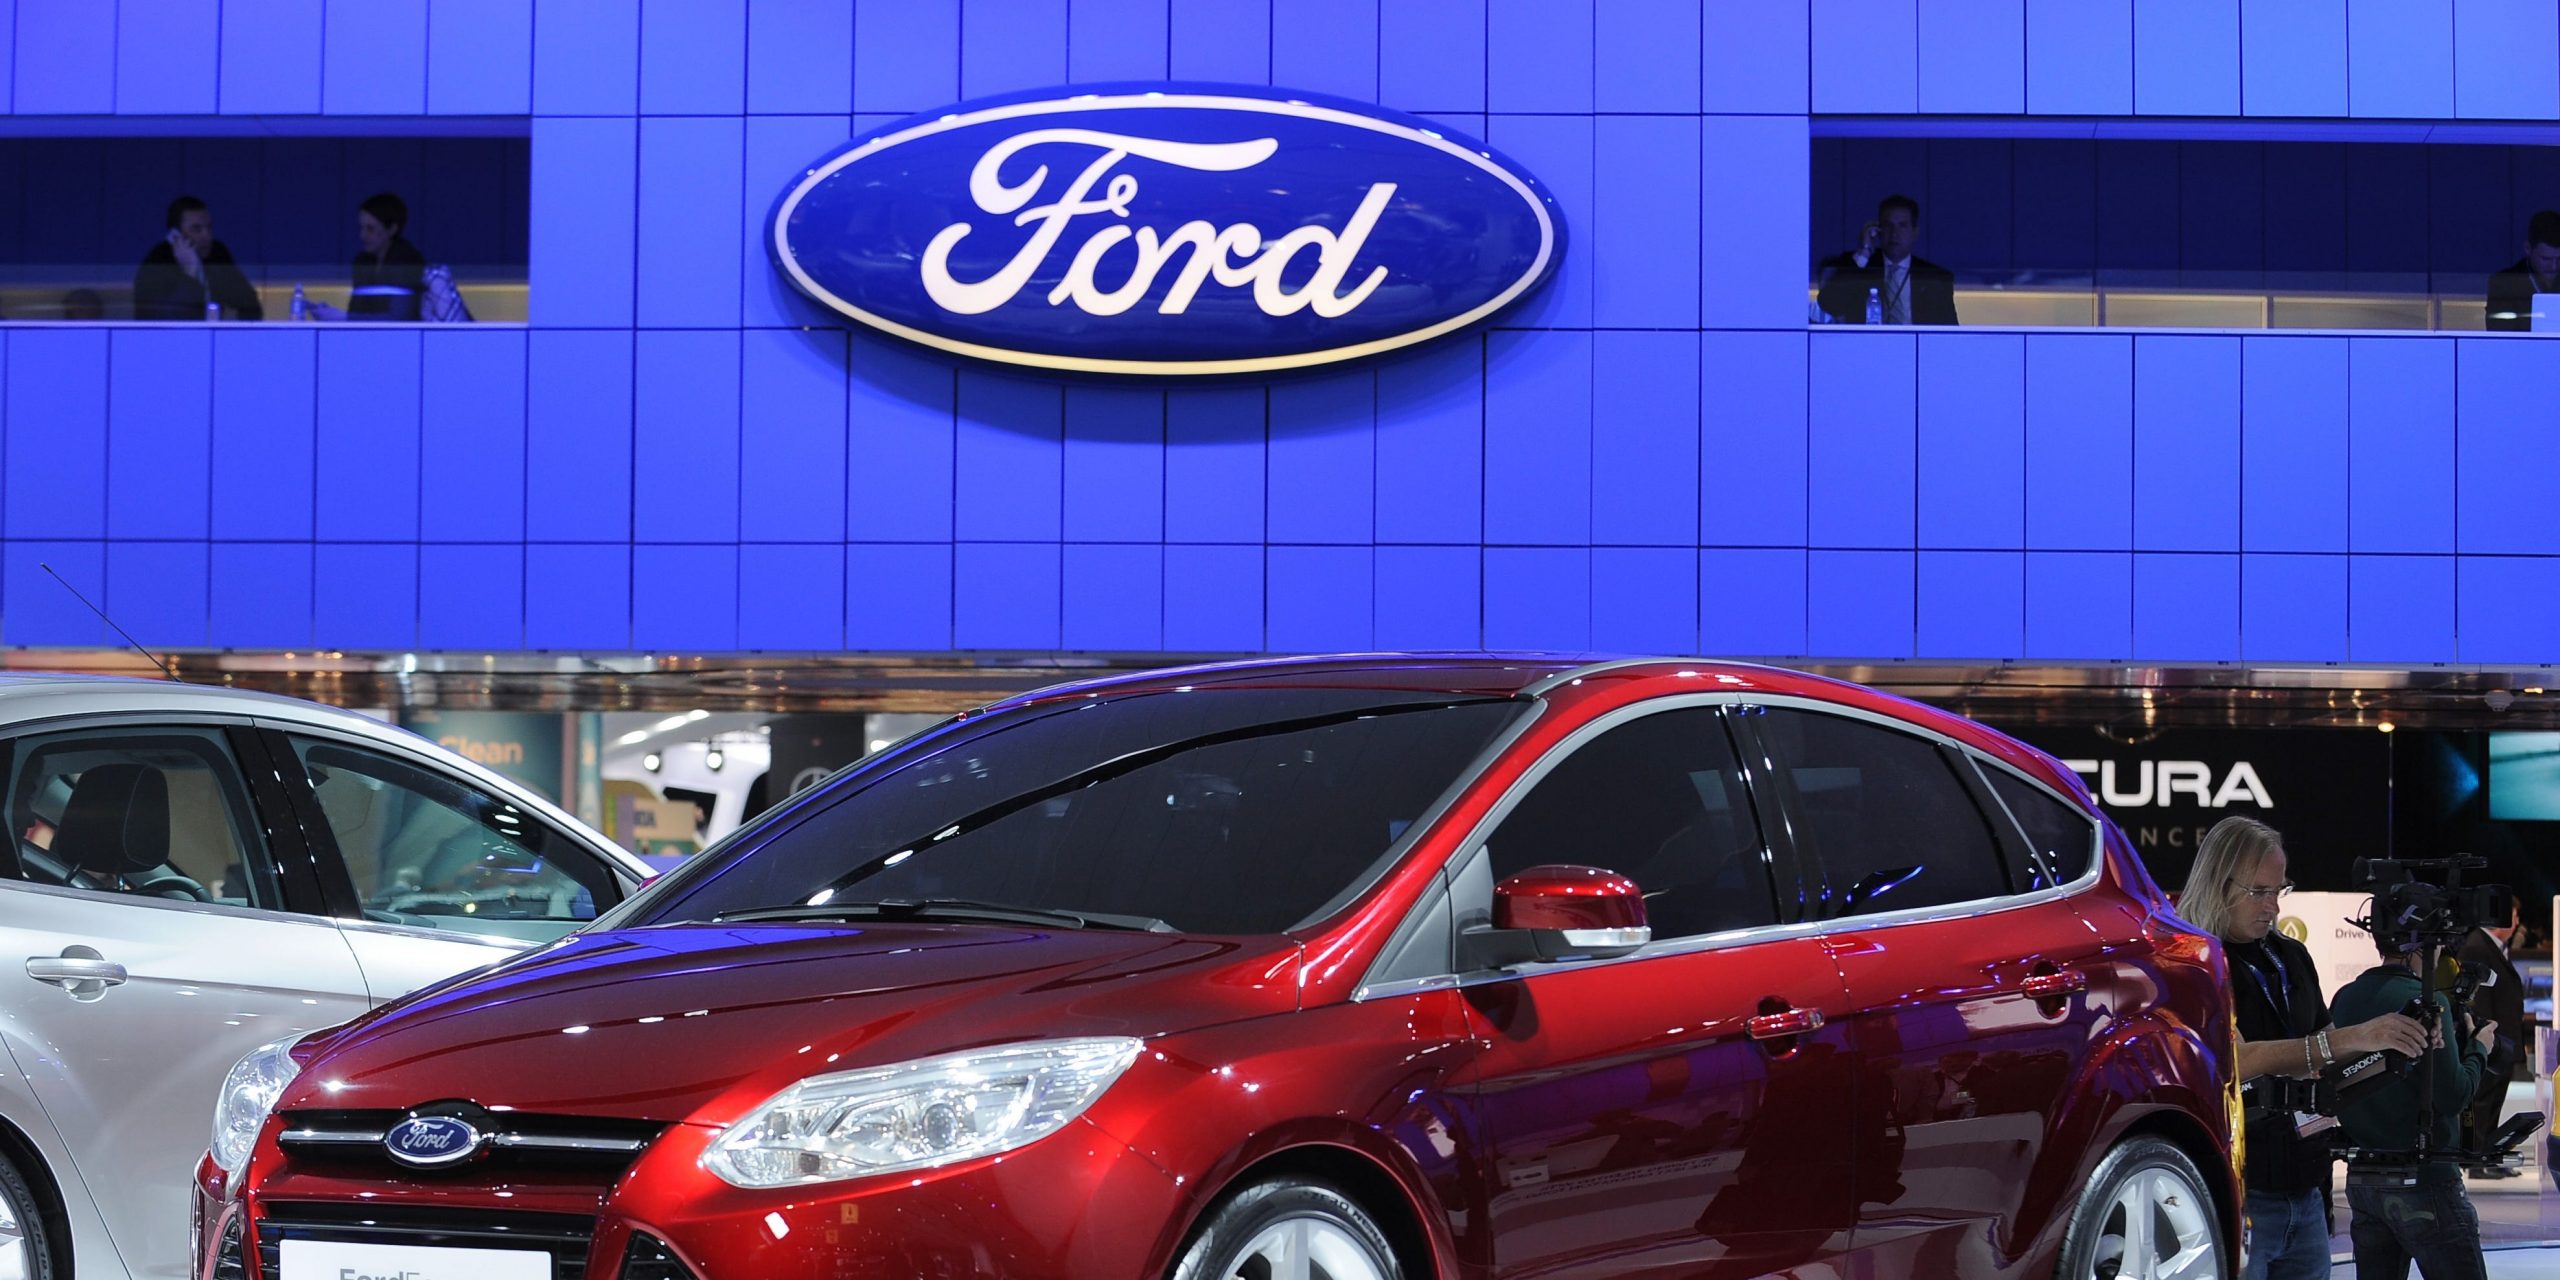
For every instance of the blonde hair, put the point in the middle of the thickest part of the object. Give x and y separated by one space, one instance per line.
2234 845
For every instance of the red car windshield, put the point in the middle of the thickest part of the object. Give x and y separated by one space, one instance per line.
1216 811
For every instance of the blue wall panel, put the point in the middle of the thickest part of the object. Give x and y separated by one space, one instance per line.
578 597
1010 459
1113 598
1751 602
1021 44
693 56
684 597
1973 56
8 50
2508 609
2503 66
1973 441
1972 604
800 56
1213 599
1430 448
1227 40
2293 608
2293 57
1647 54
471 596
1759 61
1323 459
270 57
2186 608
1860 441
1214 467
2400 608
1752 479
791 439
159 436
578 440
1644 439
586 57
1327 46
472 472
1539 55
1860 602
2079 443
899 446
36 610
1645 208
2079 605
2504 390
2186 58
2400 58
791 597
581 239
1644 600
691 171
1559 149
161 63
259 595
2080 57
1430 598
263 447
156 590
1319 599
66 57
1537 439
373 57
1006 595
1752 268
369 393
2400 453
1114 466
685 439
1866 57
2186 435
479 57
888 74
365 595
1431 56
897 596
2293 454
1537 598
1117 40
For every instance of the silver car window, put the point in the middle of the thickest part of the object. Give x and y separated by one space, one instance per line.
156 812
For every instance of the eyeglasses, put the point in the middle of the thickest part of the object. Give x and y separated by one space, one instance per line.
2274 891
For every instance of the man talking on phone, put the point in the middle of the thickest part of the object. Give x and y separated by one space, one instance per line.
190 275
1905 288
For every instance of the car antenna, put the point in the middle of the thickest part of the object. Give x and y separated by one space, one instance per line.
102 617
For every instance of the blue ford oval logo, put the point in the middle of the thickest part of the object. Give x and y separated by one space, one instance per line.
430 1141
1166 229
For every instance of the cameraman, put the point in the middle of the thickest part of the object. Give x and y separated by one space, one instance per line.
2431 1222
2284 1031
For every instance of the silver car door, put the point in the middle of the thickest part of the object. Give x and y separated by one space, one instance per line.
148 945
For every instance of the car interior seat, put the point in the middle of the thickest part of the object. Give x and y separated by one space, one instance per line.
115 829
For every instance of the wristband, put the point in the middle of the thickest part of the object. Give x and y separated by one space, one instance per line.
2307 1068
2326 1058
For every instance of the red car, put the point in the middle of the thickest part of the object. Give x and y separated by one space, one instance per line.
1340 968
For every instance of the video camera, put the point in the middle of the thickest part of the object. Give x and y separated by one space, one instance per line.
2410 913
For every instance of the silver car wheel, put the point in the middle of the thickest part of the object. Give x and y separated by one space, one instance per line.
15 1263
1299 1247
2160 1227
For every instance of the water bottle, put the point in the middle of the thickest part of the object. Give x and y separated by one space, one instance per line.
1875 307
212 309
301 309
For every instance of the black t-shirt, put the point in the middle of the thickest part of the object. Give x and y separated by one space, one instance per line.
2276 996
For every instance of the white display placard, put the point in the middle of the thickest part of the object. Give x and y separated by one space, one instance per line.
2339 950
330 1260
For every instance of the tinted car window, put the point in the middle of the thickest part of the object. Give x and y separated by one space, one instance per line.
153 812
1235 811
1883 813
2059 834
1660 800
426 850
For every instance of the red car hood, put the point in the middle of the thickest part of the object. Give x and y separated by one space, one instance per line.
702 1022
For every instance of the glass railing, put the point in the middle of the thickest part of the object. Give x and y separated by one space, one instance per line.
2457 301
53 292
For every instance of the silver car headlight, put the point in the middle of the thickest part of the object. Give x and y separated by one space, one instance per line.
248 1094
916 1115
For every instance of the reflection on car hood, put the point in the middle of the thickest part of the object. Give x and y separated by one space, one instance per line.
704 1021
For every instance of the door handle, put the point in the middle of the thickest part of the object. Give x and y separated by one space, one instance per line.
1785 1022
2055 984
72 973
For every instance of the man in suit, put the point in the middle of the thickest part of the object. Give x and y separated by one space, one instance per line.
2503 1001
2538 271
1913 290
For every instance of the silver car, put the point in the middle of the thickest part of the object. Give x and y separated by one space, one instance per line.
198 871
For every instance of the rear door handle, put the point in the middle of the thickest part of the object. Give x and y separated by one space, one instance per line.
72 973
2054 986
1785 1022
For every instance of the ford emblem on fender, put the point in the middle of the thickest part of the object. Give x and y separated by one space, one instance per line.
429 1142
1166 230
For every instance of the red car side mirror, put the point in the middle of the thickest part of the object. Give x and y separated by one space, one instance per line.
1573 912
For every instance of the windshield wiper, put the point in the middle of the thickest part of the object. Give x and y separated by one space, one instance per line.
962 909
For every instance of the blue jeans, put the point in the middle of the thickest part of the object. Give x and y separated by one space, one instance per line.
2431 1224
2289 1236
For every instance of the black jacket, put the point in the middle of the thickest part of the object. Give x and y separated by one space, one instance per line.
2511 298
402 268
1844 294
2275 991
161 291
2503 1001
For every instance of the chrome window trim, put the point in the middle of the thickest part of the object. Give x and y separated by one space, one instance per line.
147 902
2097 829
1969 909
